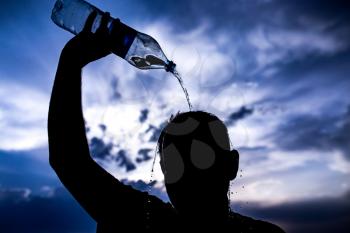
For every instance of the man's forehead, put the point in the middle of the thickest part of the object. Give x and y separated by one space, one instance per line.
214 129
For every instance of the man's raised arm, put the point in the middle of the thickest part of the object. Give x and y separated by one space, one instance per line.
94 188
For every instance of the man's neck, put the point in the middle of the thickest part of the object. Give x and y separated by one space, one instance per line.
207 213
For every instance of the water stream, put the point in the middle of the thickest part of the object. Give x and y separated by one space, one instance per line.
178 77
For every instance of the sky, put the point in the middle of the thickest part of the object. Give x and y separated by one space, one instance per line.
276 72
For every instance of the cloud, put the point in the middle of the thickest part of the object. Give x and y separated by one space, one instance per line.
58 213
99 148
53 209
143 116
278 32
153 188
29 169
105 152
155 131
14 195
339 164
124 161
242 113
325 132
23 119
271 176
144 155
281 46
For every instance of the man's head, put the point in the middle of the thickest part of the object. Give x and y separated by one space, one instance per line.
196 160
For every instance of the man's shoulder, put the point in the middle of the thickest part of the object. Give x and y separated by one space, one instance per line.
248 224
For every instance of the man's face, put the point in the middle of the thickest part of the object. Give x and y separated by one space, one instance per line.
193 173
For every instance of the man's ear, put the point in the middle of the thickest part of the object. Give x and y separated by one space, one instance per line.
233 164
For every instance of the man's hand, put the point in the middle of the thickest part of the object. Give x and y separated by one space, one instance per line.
87 46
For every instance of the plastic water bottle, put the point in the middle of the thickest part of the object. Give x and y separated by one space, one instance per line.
139 49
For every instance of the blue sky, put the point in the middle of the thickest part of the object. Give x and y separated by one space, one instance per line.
277 72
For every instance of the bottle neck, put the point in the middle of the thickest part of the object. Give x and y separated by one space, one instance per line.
122 36
170 67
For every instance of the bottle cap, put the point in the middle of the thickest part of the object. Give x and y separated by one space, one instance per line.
170 67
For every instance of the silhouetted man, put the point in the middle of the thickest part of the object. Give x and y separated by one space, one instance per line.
195 158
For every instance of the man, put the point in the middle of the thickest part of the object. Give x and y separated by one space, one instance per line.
195 158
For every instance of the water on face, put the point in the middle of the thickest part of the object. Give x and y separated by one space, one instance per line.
178 77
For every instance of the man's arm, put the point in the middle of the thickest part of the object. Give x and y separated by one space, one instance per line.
94 188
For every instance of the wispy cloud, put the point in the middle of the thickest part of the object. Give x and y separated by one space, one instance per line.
23 116
276 46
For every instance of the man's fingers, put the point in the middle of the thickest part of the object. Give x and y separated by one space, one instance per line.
104 23
89 22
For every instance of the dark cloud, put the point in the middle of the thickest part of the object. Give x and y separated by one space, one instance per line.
23 212
222 12
155 131
242 113
14 195
321 9
319 215
26 169
313 74
315 132
240 16
125 161
104 151
103 127
144 155
144 115
139 185
115 92
99 149
301 34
